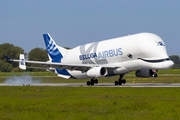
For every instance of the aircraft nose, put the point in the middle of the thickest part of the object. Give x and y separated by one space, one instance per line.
171 64
168 64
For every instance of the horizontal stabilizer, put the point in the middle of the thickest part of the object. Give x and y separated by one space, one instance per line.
22 63
7 57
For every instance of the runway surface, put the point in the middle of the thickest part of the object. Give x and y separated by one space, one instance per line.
99 84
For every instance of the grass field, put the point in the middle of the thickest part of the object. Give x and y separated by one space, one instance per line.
129 79
89 103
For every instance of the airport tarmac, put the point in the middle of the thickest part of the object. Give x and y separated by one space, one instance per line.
100 84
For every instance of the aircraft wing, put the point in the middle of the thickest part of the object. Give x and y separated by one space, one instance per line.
46 65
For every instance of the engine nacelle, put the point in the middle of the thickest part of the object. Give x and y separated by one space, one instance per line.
97 72
146 73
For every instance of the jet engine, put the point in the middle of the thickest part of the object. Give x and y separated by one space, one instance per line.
97 72
146 73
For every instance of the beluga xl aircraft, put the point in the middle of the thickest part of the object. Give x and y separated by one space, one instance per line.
144 53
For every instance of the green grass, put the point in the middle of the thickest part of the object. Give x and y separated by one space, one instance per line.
87 103
160 72
164 76
173 78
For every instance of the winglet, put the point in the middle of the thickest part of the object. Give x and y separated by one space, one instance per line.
7 57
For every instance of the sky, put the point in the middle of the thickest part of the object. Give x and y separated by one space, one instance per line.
77 22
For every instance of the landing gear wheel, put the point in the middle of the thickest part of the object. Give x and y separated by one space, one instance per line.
155 75
92 81
120 82
116 83
96 81
88 83
123 81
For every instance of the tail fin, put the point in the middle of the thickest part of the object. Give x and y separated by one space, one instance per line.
54 51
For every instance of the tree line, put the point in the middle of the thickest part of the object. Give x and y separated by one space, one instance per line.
38 54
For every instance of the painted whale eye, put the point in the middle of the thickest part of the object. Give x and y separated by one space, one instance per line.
129 55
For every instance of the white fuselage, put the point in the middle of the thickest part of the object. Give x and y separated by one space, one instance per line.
129 53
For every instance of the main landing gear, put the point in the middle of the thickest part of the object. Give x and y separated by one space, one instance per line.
120 80
92 81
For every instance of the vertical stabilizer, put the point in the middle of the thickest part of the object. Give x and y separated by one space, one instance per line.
54 51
